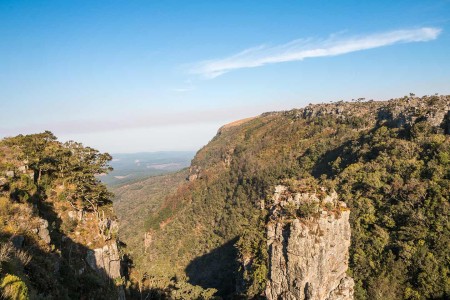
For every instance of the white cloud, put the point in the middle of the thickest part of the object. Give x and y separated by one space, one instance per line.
305 48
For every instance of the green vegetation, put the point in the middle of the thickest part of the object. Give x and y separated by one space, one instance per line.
52 162
44 186
389 161
13 288
398 188
204 237
134 202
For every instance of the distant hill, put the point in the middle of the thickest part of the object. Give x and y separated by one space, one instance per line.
130 167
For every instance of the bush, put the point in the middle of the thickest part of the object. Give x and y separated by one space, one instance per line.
69 225
307 209
13 287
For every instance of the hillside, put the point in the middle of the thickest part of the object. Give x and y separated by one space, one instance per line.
57 226
134 202
387 161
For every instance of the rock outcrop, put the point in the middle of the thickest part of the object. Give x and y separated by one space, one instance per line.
106 260
308 239
435 110
43 231
194 173
108 228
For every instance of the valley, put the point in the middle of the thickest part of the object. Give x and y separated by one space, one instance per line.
345 200
132 167
206 231
224 150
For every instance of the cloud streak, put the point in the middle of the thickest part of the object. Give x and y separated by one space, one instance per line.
298 50
138 120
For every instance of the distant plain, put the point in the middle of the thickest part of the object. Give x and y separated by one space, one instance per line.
132 167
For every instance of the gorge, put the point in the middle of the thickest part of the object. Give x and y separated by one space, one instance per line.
346 200
210 231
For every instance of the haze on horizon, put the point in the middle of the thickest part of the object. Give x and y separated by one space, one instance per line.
137 76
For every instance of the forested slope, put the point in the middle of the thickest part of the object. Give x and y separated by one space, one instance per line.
389 161
134 202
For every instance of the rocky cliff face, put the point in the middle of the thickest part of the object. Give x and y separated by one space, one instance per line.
105 260
308 255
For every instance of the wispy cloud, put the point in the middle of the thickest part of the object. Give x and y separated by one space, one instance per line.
306 48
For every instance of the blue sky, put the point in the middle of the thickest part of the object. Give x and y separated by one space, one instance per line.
128 76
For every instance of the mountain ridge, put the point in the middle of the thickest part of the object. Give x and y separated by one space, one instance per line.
373 153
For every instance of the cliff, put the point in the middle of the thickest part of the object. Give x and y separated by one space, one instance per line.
58 232
308 256
220 230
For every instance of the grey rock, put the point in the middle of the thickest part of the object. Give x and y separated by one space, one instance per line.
72 214
343 291
76 215
192 177
308 257
194 173
106 260
108 228
43 231
148 239
279 189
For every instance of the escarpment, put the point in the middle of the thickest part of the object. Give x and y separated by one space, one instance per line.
220 231
308 240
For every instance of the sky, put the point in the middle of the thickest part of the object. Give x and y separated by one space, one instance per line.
137 76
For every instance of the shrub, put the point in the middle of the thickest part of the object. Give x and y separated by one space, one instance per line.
69 225
12 287
307 209
5 252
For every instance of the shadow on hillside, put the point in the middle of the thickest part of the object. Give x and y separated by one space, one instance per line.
216 269
59 271
323 165
345 153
